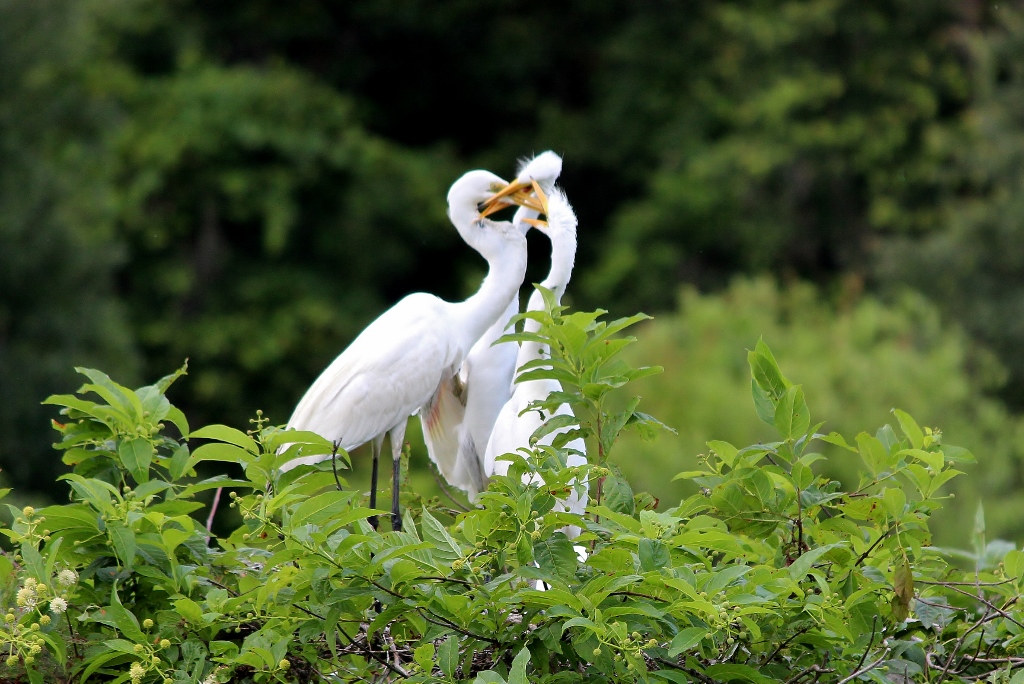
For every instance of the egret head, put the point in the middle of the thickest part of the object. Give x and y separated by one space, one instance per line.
544 168
536 177
473 188
465 198
540 173
561 217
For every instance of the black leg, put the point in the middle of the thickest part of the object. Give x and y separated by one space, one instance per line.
396 518
397 436
377 444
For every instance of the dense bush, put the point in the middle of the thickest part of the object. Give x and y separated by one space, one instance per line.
857 358
770 572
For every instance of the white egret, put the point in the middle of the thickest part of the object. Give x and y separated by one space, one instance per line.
488 369
405 361
513 428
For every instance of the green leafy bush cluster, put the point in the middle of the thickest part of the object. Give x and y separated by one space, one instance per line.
857 357
770 572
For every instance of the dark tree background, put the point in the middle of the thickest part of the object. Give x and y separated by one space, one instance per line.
247 183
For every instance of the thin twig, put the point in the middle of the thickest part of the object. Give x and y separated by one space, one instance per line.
867 668
444 489
964 584
987 603
74 642
784 644
397 669
693 673
871 642
863 556
443 622
960 642
334 463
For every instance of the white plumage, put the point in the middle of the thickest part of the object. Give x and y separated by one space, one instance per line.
405 361
488 370
513 428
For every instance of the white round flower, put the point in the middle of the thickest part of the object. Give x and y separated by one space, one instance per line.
67 577
58 605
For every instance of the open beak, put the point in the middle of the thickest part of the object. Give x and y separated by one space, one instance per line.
516 193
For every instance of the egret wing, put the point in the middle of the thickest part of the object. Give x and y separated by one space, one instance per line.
391 370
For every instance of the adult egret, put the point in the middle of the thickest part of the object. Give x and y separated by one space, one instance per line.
489 368
405 361
515 425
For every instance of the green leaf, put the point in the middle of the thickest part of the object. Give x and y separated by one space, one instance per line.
318 509
910 428
802 565
179 463
723 578
189 610
96 662
114 394
872 453
223 433
179 420
618 495
686 639
730 672
118 616
763 405
766 374
654 555
446 549
424 656
792 418
448 656
1013 565
556 556
960 455
517 673
136 456
218 451
123 540
903 586
725 451
836 439
524 550
34 561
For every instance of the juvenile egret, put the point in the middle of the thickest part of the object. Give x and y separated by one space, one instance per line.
513 427
406 359
488 369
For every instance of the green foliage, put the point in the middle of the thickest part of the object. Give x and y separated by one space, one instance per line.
770 571
974 268
857 359
249 183
55 228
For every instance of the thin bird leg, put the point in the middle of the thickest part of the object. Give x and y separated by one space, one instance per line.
378 444
397 441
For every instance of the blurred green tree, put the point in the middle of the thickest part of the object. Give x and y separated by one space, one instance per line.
247 183
59 256
974 265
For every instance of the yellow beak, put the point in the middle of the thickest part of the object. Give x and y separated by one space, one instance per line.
524 194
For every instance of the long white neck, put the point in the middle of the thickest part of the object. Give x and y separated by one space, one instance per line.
563 257
507 268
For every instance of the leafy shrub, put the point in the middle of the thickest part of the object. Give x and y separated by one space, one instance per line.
857 360
770 572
